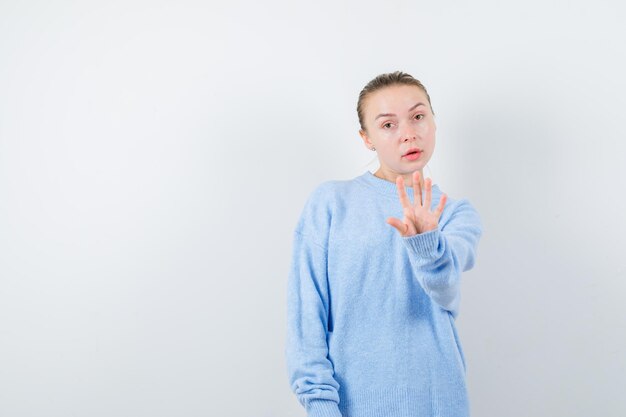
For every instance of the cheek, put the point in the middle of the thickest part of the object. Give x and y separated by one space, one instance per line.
383 136
429 131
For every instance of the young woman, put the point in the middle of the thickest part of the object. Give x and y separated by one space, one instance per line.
374 285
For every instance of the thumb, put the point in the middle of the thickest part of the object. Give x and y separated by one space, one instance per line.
399 225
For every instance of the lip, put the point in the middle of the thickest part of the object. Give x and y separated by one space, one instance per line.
412 153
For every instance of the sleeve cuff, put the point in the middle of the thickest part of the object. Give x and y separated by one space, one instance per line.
425 245
323 408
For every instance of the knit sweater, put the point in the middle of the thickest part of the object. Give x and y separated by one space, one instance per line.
371 314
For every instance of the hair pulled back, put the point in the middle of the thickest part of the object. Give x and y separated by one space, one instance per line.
387 80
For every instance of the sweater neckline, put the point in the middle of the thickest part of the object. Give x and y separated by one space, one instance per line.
389 189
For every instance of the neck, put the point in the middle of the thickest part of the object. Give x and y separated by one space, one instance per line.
391 176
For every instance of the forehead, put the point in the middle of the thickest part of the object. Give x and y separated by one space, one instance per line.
395 99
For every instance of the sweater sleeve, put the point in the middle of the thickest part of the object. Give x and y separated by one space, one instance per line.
309 368
439 256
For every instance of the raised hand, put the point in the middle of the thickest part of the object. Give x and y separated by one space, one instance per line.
418 218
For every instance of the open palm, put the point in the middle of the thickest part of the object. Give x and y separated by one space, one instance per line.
418 218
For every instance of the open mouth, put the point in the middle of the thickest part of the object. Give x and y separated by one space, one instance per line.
413 152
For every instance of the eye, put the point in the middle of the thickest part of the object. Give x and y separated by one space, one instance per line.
417 116
387 125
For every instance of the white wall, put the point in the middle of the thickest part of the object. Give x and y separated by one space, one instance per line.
154 158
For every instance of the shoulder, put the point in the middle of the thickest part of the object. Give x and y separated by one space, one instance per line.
324 192
321 204
460 214
330 193
322 199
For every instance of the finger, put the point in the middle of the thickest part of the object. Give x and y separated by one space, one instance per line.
417 190
442 204
409 215
400 226
404 199
429 193
409 220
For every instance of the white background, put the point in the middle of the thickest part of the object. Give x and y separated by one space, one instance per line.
155 156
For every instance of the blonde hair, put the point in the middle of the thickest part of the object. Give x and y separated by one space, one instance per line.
387 80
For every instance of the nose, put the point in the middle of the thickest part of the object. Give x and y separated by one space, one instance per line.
408 134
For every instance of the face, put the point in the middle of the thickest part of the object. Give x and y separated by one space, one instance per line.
398 122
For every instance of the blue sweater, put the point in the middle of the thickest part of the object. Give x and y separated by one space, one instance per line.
371 314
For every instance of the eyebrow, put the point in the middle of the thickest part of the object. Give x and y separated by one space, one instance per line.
393 114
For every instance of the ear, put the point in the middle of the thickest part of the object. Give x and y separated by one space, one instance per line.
366 140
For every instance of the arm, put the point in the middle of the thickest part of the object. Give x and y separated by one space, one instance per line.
440 255
310 371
